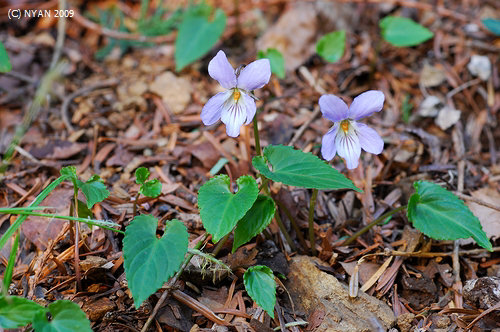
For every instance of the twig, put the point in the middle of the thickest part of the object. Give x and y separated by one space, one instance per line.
457 285
20 76
484 313
462 87
199 307
118 34
420 254
170 284
292 324
82 91
28 155
303 128
477 201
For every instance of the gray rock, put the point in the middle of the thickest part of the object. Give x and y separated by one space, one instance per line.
483 292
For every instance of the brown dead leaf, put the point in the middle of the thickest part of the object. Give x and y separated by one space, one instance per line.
241 258
366 270
57 149
214 299
206 153
122 157
40 230
293 35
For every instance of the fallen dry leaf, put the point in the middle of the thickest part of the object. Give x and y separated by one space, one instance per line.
40 230
489 218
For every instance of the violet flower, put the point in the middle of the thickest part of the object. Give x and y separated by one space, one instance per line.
347 136
236 105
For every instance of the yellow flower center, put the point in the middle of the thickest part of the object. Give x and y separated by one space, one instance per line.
345 125
236 95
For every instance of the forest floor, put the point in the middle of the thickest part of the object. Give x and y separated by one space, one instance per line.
131 109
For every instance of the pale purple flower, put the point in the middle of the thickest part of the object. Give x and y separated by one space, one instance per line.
347 136
236 105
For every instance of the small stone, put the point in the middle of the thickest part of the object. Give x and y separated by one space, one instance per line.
483 292
175 91
480 65
96 310
430 106
91 262
431 76
313 289
405 321
442 322
447 117
137 88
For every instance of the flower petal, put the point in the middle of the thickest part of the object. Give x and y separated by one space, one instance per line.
212 110
366 103
221 70
348 147
255 75
369 139
233 117
250 106
333 108
328 148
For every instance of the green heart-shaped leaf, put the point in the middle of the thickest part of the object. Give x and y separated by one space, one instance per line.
220 209
276 60
300 169
331 46
403 32
150 261
5 65
492 25
17 311
260 285
439 214
94 190
141 175
255 220
66 316
151 188
197 34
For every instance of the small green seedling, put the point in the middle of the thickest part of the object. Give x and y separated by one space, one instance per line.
151 188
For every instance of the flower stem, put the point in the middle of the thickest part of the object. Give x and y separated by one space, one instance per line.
77 240
373 223
256 136
312 204
284 231
135 204
265 188
294 223
220 244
